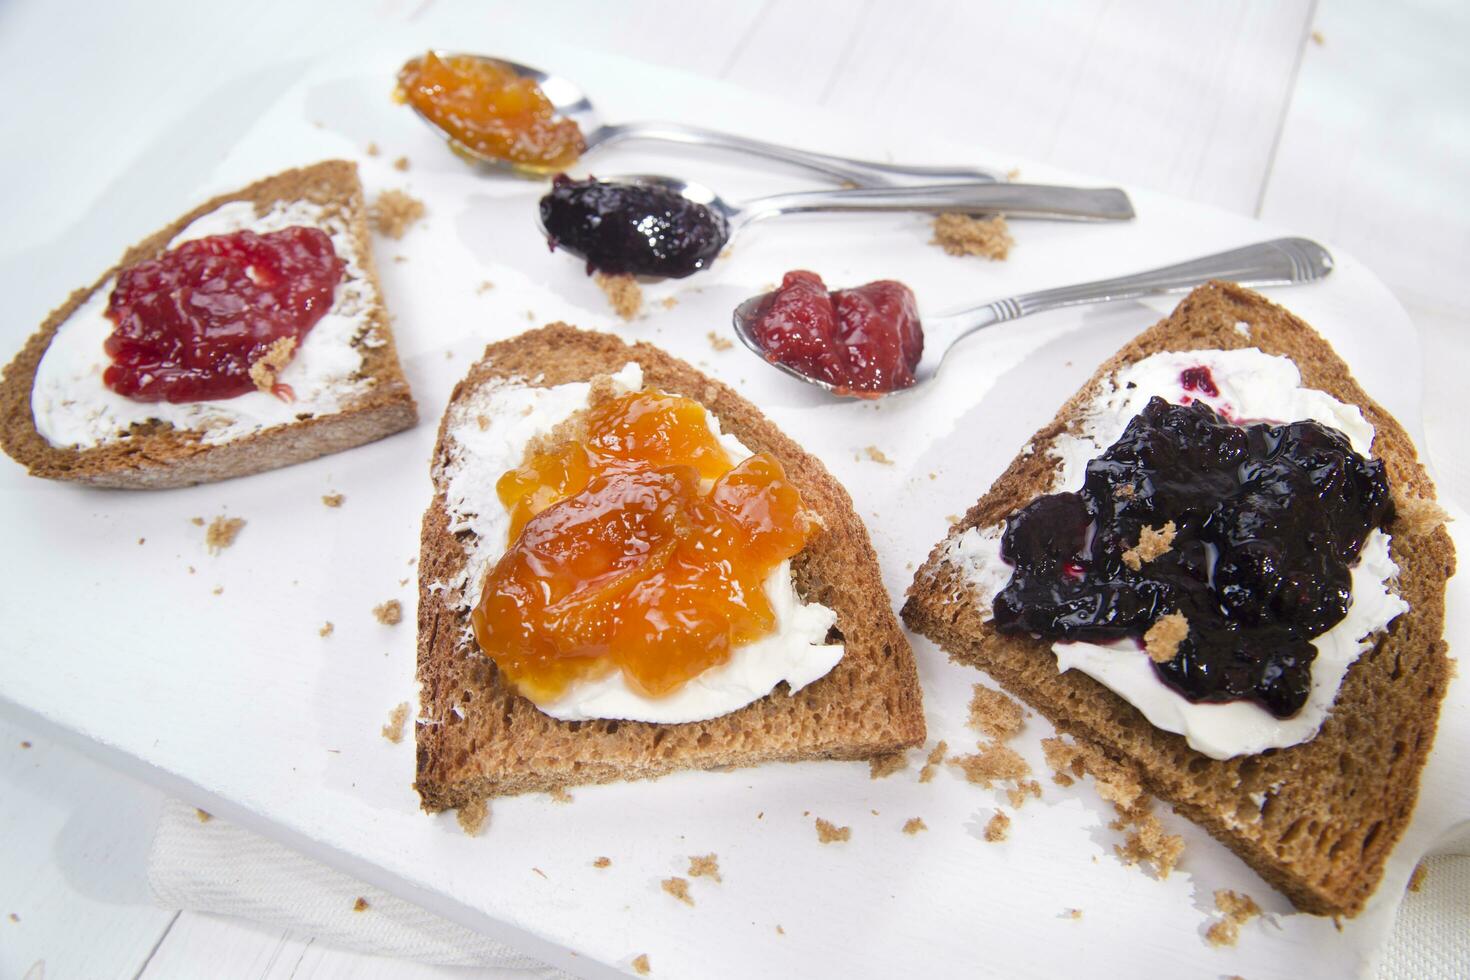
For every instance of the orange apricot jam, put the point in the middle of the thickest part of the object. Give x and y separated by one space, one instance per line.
639 546
489 109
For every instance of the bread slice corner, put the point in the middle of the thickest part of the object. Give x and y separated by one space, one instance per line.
1316 820
155 454
477 739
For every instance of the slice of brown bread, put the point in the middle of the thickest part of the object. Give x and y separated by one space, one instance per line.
157 455
478 739
1333 806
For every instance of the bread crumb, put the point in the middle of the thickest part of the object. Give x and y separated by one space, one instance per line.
913 825
623 292
197 521
640 964
669 302
998 827
204 815
393 731
1416 516
222 532
1164 636
1013 173
602 862
679 888
25 744
1071 914
333 499
886 765
1416 880
705 866
15 918
372 149
361 905
876 455
995 714
827 832
1318 39
933 762
963 234
779 930
394 212
1151 544
401 163
219 590
326 629
717 342
559 794
1237 910
484 287
1018 793
389 613
1148 843
993 762
473 816
266 368
1064 758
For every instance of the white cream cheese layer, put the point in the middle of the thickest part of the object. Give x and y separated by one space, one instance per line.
73 408
1253 386
487 435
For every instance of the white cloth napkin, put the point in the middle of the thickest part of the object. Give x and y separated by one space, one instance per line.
214 866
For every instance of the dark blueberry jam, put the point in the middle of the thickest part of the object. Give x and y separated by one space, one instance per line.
630 228
1268 518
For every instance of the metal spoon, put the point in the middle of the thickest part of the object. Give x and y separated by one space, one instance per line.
570 101
1282 262
1015 200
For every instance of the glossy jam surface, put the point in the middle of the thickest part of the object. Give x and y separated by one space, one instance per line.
190 323
1269 519
631 228
489 109
636 546
866 339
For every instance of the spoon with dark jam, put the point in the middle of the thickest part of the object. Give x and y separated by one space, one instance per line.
651 225
1264 524
796 344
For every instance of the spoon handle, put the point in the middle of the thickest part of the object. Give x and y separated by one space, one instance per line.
1015 200
1281 262
863 173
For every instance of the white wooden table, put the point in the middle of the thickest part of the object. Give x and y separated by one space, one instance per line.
1343 120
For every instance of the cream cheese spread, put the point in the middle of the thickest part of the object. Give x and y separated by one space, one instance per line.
73 408
487 435
1252 386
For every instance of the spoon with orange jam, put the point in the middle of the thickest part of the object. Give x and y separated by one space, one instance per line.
513 118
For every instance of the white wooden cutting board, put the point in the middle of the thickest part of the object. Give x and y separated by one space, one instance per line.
206 673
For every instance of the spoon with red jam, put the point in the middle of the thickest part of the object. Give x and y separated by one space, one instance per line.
443 87
869 341
651 225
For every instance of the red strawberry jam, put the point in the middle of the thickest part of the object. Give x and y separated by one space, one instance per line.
190 323
866 339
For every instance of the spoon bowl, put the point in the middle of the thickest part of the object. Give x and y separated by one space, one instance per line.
564 95
1281 262
569 100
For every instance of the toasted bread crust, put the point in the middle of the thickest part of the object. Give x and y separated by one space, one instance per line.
1333 806
158 455
870 704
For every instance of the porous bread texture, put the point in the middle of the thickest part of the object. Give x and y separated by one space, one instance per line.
156 455
1316 820
479 739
